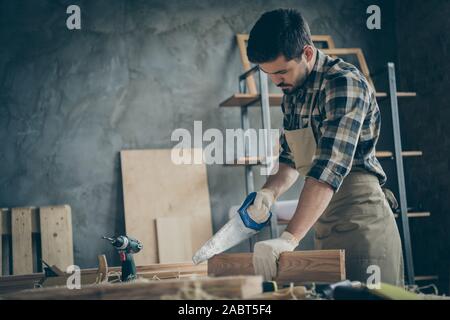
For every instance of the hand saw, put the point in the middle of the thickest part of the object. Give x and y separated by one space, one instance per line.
239 228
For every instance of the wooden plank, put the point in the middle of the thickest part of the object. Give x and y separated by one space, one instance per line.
219 288
247 99
314 265
10 284
415 214
56 236
22 240
242 45
6 222
153 187
426 278
297 266
399 94
389 154
174 239
14 283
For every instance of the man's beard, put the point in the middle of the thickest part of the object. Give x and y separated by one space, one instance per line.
292 88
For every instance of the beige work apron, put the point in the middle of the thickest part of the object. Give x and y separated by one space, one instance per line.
358 218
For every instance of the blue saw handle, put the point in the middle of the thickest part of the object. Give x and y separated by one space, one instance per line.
249 222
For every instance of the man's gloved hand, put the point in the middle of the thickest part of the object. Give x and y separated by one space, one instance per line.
266 254
259 210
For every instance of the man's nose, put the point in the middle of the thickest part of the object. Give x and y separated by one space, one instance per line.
276 79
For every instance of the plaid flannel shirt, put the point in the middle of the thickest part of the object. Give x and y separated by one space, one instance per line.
345 120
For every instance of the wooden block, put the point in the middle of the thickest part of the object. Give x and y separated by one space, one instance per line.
154 187
297 266
22 241
314 265
56 236
174 239
220 288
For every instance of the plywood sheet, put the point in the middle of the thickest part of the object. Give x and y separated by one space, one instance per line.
154 187
174 239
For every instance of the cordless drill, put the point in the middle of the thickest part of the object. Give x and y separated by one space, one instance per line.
126 247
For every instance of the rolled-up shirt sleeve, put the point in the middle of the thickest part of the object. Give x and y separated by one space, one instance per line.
345 105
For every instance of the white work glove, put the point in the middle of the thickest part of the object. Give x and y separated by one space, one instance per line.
259 210
266 254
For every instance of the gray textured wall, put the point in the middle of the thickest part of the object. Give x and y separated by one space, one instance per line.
423 52
71 100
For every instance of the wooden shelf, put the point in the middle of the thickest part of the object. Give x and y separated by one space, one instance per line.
410 215
389 154
247 161
249 99
399 94
426 278
415 214
256 161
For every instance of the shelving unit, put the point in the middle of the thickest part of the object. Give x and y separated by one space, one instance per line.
263 99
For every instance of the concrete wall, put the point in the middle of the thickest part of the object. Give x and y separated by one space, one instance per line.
423 52
71 100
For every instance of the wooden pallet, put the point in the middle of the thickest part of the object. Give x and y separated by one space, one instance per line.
32 235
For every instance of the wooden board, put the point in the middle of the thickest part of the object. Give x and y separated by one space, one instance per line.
174 239
14 283
154 187
56 236
225 287
6 222
297 266
314 265
242 45
21 240
9 284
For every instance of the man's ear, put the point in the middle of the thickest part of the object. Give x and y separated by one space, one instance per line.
309 53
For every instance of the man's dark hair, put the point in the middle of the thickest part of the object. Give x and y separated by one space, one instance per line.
281 31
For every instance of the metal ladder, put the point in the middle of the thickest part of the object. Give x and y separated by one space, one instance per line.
407 251
245 123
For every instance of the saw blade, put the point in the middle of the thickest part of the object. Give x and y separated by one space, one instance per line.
231 234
